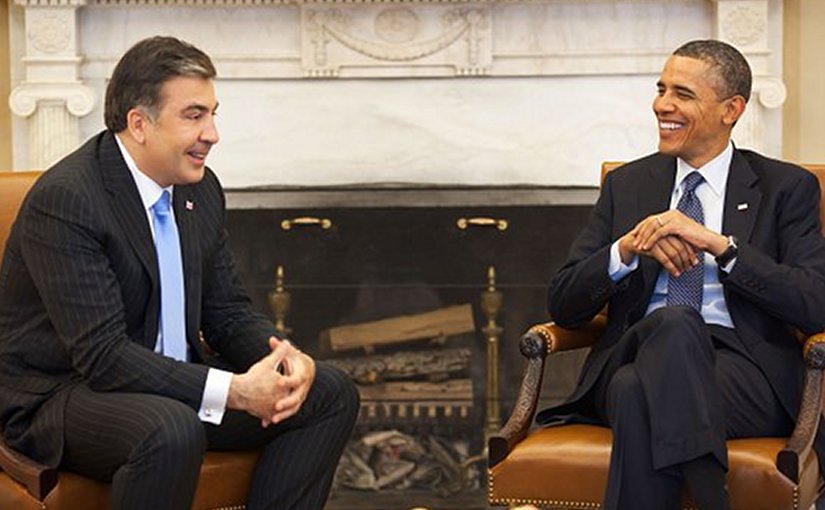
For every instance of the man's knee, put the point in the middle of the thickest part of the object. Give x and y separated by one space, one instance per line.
677 328
624 383
677 317
337 387
625 392
176 433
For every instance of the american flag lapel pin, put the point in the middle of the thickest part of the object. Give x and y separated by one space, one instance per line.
190 205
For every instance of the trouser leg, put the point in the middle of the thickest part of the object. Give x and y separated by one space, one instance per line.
749 405
633 482
699 387
149 447
300 455
671 358
674 357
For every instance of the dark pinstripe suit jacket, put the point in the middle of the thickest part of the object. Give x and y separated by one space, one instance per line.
778 280
79 296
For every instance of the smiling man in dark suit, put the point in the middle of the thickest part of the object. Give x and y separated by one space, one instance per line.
116 263
707 256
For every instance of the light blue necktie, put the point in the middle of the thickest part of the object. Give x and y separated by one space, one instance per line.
688 288
170 265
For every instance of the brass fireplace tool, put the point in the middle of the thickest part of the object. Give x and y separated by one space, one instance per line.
491 301
279 302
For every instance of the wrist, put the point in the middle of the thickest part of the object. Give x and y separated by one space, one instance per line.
718 245
626 252
235 398
730 252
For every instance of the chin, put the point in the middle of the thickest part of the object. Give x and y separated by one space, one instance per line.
668 149
193 175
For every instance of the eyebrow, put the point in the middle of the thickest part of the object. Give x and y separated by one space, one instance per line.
679 88
201 108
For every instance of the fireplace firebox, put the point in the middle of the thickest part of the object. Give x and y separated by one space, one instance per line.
420 294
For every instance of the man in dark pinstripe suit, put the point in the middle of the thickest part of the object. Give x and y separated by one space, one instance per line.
84 383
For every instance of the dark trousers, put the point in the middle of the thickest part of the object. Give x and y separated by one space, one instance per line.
151 447
673 390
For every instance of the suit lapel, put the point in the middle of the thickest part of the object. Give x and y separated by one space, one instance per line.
185 211
653 198
126 205
742 199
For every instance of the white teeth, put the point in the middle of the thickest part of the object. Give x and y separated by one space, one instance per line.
671 126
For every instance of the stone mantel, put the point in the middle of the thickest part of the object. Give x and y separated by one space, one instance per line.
393 196
338 92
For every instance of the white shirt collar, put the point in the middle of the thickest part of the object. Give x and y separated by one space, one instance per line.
148 189
714 171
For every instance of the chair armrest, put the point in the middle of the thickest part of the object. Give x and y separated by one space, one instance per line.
38 479
560 339
535 345
790 459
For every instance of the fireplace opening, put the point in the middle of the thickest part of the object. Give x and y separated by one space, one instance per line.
425 316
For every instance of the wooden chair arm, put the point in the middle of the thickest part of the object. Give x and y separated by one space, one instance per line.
38 479
790 459
535 345
560 339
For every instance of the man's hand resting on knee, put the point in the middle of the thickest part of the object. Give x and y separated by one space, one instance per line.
271 394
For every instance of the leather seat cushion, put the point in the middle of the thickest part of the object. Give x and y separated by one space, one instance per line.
224 482
567 466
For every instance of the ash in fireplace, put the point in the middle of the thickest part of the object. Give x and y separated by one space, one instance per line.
391 460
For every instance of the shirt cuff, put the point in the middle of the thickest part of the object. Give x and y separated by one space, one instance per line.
617 269
215 393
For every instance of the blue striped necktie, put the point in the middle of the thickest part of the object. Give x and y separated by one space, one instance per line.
170 265
687 289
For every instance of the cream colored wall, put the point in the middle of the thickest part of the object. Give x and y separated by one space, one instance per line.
804 75
5 80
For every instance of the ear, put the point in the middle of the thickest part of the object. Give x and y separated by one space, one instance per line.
734 108
136 123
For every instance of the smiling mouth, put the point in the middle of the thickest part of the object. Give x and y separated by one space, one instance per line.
670 126
198 155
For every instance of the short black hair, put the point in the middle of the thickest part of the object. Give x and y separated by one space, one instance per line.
732 70
141 72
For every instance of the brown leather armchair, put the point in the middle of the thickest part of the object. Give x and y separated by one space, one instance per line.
566 467
27 485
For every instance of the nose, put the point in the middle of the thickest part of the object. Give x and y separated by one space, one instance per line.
662 103
210 131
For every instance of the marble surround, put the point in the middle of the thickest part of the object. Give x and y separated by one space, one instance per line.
426 92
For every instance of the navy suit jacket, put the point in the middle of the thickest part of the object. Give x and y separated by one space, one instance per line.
777 283
79 296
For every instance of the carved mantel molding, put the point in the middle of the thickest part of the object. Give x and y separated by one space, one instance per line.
376 39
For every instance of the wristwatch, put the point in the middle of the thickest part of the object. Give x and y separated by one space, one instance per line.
730 253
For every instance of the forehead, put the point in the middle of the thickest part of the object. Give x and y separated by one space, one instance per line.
186 91
687 72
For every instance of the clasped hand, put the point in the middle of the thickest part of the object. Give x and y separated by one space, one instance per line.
274 388
673 239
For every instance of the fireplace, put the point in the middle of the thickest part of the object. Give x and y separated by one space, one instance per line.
420 294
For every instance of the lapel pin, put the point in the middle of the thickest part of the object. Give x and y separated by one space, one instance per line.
742 206
190 205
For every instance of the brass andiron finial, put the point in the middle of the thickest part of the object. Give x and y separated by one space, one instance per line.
491 301
279 301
